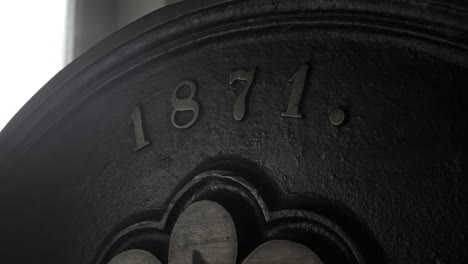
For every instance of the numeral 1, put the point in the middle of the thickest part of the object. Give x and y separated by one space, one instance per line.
137 123
298 80
240 105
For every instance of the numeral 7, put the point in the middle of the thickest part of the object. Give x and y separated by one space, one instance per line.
240 105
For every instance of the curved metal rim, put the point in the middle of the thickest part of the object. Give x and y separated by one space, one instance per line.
14 135
19 126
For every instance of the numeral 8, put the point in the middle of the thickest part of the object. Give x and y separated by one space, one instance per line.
187 104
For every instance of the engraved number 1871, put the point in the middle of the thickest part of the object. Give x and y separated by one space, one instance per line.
298 81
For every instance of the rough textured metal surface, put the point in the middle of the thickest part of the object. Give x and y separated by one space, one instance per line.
392 176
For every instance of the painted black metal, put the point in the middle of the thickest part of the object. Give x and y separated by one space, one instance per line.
392 177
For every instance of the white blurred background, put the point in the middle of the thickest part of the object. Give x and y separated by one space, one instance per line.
32 50
38 38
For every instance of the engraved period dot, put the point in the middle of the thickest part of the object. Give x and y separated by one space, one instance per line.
337 117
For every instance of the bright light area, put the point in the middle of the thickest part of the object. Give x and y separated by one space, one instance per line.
32 50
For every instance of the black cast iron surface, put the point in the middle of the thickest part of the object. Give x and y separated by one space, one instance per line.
392 176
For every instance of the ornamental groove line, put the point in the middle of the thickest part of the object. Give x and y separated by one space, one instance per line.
205 234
